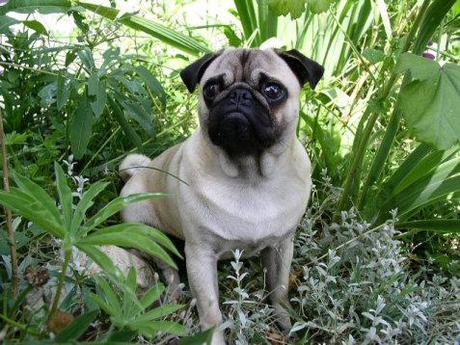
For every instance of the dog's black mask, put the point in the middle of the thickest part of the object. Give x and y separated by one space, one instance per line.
239 121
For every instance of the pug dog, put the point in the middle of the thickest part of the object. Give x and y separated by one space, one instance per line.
248 176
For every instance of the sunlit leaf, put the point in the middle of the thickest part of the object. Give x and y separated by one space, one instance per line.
430 102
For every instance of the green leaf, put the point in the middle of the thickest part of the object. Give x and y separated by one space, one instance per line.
65 194
430 102
116 205
150 328
63 91
77 327
86 57
110 295
110 310
38 194
97 91
142 117
31 211
124 124
248 19
171 37
318 6
5 23
435 225
293 7
430 23
373 55
202 338
86 202
36 26
124 235
102 260
159 312
152 83
81 127
30 6
152 295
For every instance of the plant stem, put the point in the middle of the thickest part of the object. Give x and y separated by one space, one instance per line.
18 325
57 296
9 224
357 158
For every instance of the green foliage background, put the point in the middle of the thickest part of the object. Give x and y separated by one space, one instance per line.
383 125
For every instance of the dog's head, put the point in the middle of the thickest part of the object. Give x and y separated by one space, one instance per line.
249 98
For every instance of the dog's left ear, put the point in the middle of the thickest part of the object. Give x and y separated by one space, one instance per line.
304 68
191 75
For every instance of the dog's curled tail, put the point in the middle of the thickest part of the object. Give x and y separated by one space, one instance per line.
133 164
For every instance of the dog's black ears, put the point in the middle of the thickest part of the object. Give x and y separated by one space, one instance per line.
191 75
304 68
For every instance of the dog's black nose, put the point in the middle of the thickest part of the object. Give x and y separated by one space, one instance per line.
240 97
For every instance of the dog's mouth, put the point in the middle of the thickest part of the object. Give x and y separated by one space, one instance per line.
241 133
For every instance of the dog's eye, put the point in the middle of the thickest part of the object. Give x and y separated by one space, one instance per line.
273 91
211 90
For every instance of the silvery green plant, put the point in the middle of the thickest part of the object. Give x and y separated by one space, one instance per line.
248 316
357 288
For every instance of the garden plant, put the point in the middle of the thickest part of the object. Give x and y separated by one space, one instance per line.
84 83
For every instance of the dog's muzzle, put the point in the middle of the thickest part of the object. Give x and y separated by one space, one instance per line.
240 123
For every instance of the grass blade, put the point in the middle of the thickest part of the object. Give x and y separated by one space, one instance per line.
168 36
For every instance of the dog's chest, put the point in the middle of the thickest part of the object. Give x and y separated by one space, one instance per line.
253 215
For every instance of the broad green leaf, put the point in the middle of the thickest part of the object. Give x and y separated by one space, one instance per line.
152 295
406 167
293 7
319 6
436 225
36 26
116 205
109 309
171 37
124 124
102 260
141 229
456 7
131 279
430 102
424 167
6 22
159 312
152 83
33 212
77 327
130 240
86 57
135 111
422 193
432 18
150 328
97 91
63 91
109 294
169 327
86 202
65 194
202 338
38 194
373 55
30 6
81 127
248 20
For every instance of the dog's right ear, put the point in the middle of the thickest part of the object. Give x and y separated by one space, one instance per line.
192 74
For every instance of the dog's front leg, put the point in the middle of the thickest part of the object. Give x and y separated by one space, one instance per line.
277 260
202 276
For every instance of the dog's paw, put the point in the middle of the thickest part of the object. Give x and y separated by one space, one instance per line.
282 317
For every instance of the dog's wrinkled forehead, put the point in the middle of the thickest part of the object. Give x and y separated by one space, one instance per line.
249 65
